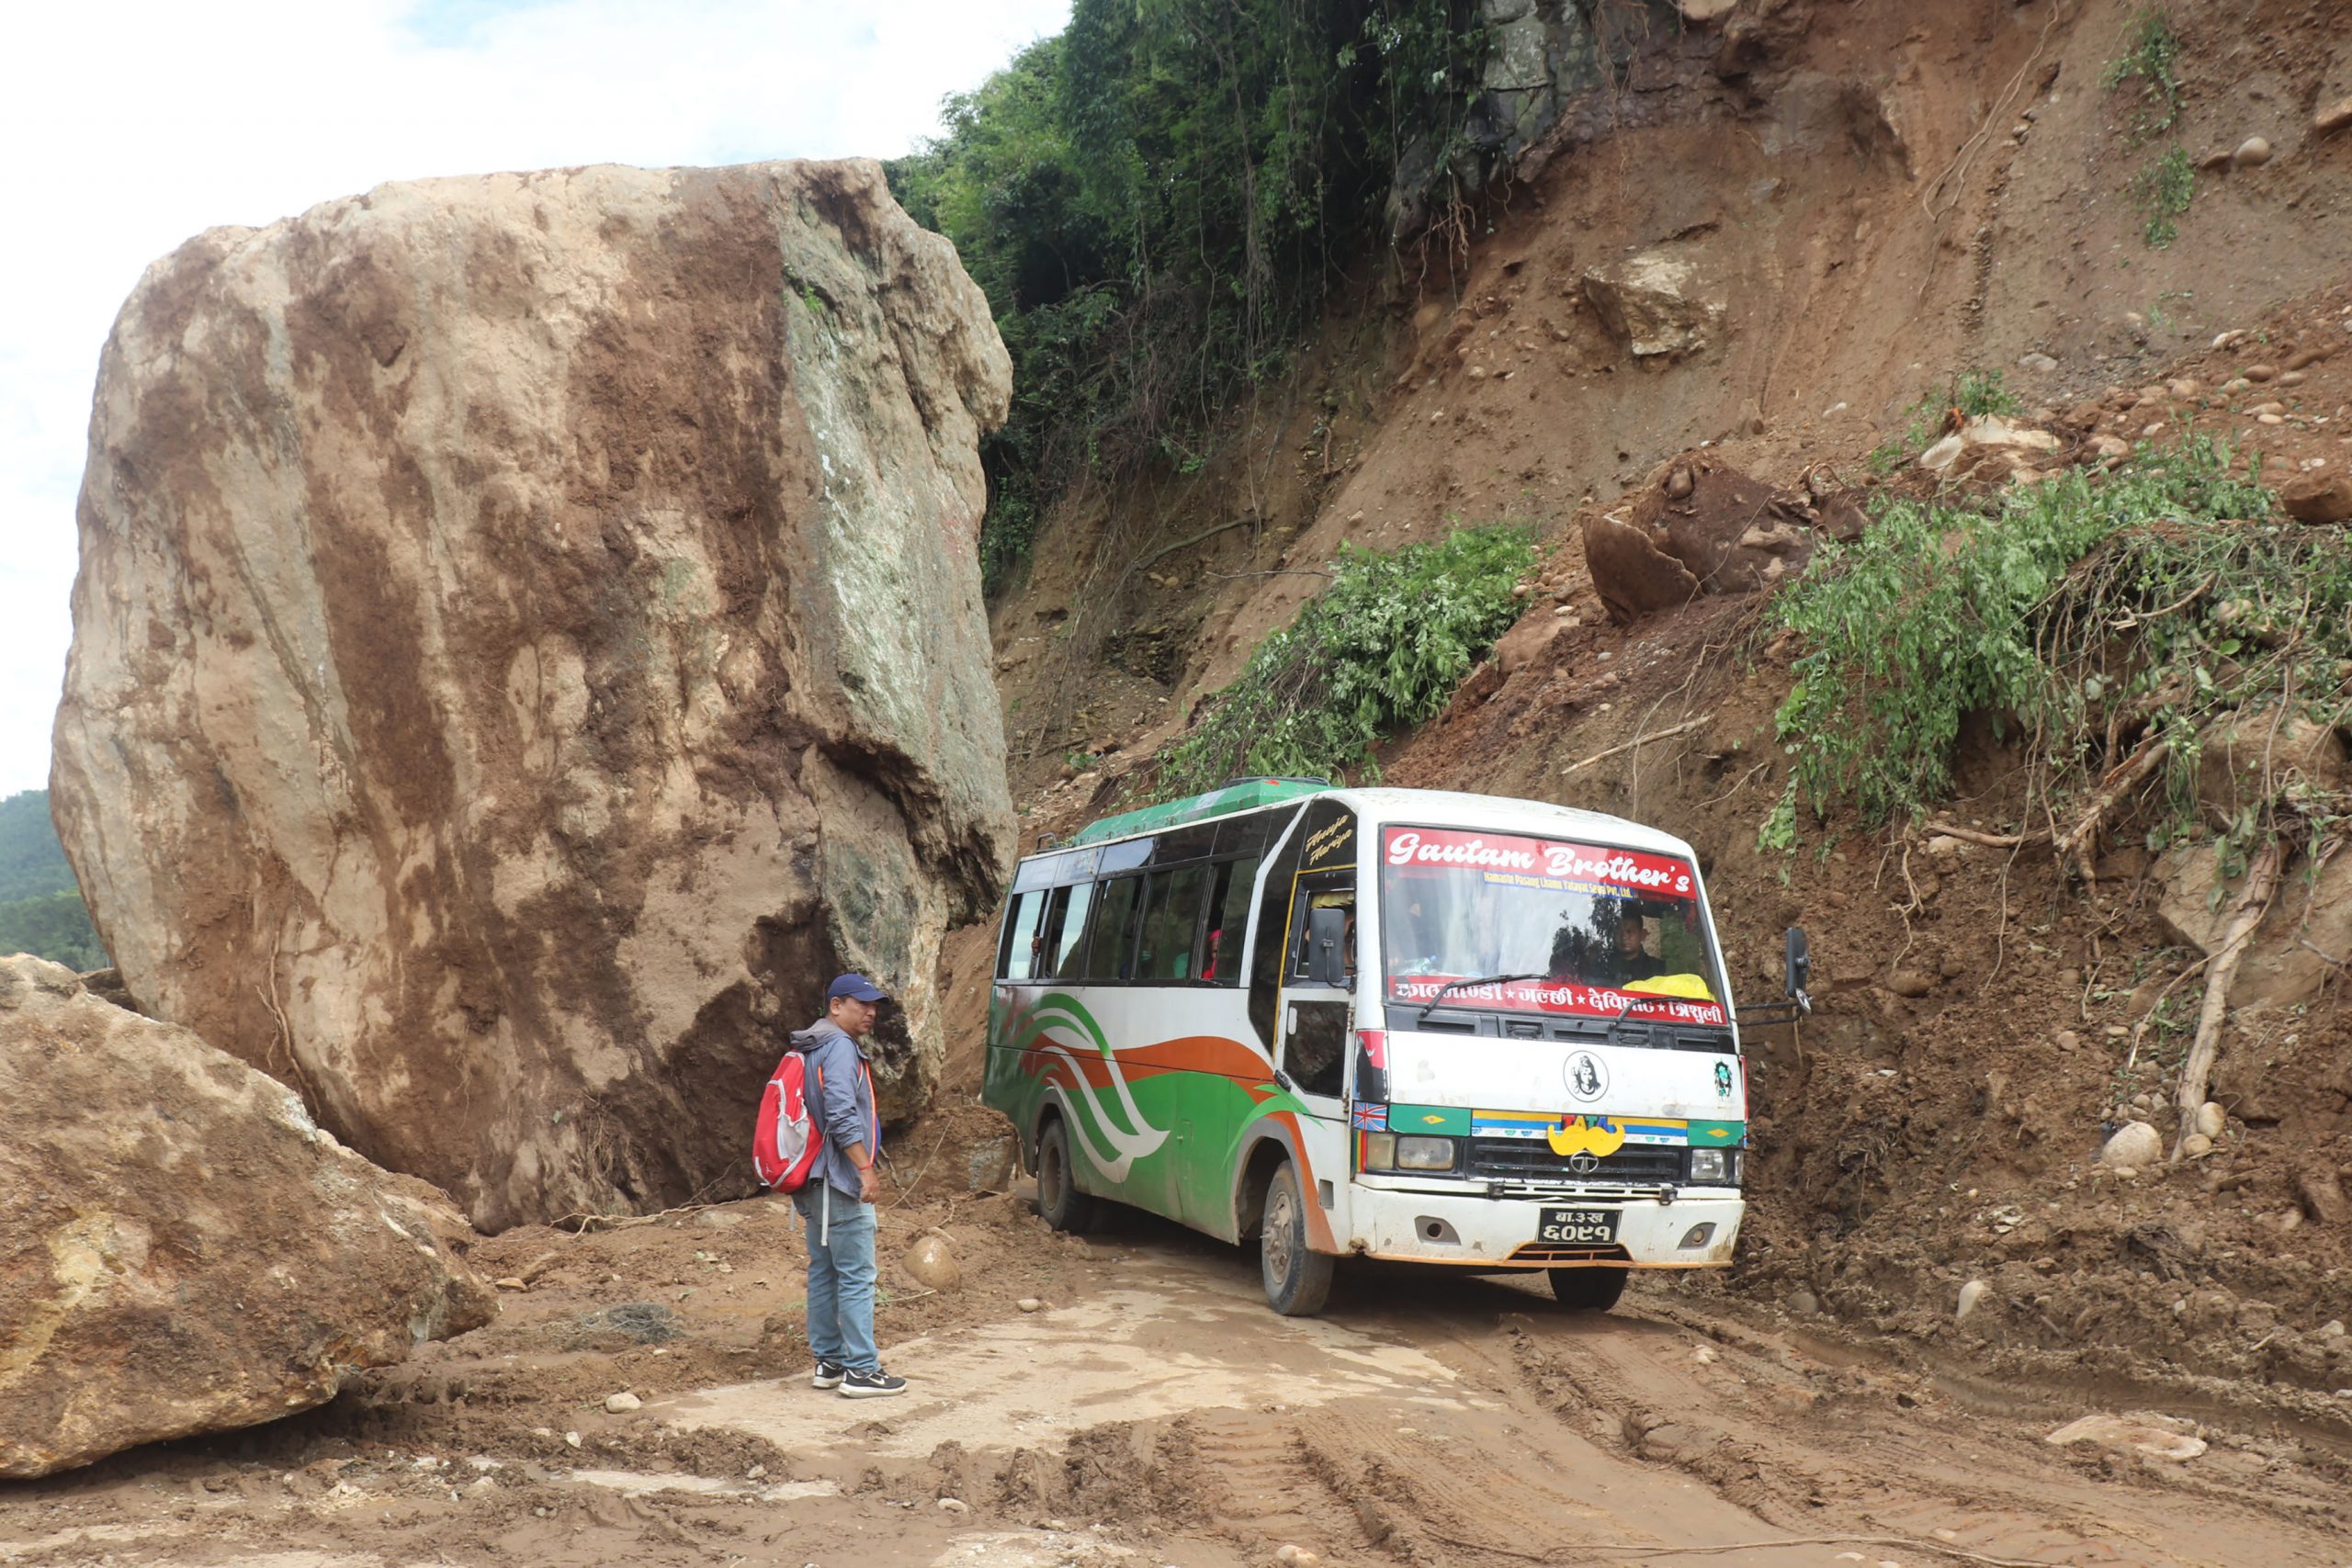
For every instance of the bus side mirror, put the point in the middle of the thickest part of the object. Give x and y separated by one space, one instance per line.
1327 937
1800 969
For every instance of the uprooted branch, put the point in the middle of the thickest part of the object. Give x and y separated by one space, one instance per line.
2196 1074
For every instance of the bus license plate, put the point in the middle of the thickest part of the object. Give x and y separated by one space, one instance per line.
1577 1227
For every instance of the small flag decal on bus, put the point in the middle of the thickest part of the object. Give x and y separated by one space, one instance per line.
1370 1118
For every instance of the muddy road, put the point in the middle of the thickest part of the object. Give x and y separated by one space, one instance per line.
1146 1409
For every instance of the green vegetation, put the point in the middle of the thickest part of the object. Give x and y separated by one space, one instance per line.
2152 58
2104 616
1158 202
1971 394
2163 190
40 906
1379 651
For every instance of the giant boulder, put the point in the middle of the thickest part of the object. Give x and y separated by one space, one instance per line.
182 1249
528 638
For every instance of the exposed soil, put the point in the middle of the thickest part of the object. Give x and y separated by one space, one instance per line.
1150 1410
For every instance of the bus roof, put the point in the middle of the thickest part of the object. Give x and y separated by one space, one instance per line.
1494 813
1242 794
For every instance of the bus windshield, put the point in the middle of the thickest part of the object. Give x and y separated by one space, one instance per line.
1560 927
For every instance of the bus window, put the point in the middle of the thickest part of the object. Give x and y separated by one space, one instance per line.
1321 894
1065 925
1111 946
1171 917
1017 958
1228 918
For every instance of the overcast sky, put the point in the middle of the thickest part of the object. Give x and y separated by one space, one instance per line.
130 127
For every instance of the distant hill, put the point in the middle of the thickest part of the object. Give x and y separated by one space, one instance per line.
41 904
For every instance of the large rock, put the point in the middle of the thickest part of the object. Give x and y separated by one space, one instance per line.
528 638
182 1249
2280 968
1657 303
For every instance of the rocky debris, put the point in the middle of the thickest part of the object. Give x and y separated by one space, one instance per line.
2279 969
1988 449
1732 533
2252 153
2140 1433
621 1403
2322 1195
1531 641
931 1263
1633 576
2038 364
546 607
2248 756
2134 1145
182 1249
1655 304
2332 117
1971 1296
2321 496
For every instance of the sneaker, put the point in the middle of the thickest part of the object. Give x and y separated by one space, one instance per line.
871 1385
828 1374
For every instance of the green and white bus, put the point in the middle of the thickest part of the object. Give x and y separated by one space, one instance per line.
1449 1029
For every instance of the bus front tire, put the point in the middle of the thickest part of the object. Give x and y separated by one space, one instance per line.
1588 1289
1298 1281
1059 1203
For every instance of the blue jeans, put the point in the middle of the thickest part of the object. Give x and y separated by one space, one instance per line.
840 1277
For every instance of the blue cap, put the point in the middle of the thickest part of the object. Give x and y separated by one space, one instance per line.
857 988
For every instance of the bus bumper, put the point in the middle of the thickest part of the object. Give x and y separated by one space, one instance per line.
1695 1231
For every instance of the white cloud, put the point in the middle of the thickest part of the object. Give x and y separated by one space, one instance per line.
133 126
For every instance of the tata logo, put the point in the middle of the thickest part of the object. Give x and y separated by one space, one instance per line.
1588 1079
1584 1165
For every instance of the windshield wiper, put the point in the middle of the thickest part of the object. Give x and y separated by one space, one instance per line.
1430 1006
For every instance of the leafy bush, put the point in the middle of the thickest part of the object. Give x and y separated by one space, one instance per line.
1157 202
1971 394
2019 611
2152 58
1379 651
2164 191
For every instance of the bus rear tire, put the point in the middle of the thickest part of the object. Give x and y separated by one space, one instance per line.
1298 1279
1588 1289
1059 1203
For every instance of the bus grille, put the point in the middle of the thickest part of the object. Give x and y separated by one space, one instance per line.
1532 1158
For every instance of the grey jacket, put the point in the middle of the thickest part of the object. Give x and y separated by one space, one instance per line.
841 1100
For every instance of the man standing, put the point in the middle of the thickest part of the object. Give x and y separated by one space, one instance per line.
837 1205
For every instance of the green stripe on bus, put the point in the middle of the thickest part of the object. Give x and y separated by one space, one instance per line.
1718 1135
1453 1121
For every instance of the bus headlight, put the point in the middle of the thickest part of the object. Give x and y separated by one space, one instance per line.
1715 1166
1379 1151
1425 1153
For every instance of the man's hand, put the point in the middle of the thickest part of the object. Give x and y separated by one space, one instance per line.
869 1186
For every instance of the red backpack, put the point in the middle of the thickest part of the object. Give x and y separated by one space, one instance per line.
786 1139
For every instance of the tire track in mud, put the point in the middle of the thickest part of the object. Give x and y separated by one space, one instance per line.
1805 1446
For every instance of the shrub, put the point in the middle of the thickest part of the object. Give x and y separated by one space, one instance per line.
1380 649
2085 611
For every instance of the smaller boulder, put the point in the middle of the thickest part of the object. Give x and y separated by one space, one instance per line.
1655 304
2212 1120
2252 153
1633 576
2320 496
931 1263
2135 1144
2143 1435
2332 117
